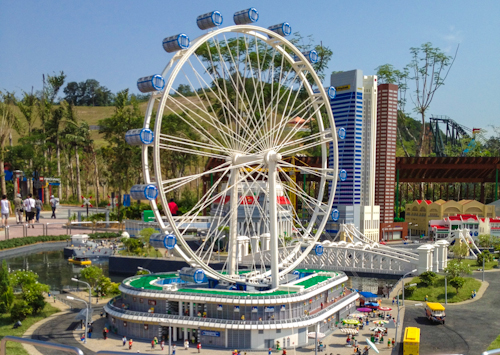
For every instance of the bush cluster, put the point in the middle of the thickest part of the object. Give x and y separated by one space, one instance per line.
18 242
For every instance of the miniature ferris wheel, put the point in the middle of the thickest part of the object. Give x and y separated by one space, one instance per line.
246 103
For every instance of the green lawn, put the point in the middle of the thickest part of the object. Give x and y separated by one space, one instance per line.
436 292
495 344
6 328
487 266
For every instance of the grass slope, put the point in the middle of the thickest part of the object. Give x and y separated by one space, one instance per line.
435 293
487 266
6 328
495 344
92 115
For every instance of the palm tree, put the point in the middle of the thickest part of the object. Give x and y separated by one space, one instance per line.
74 135
8 122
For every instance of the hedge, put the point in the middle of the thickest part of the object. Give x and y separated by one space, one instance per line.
18 242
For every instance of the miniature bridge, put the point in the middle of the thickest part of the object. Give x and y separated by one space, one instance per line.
352 257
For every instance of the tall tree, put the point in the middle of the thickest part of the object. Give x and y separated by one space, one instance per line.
123 160
74 134
8 122
427 70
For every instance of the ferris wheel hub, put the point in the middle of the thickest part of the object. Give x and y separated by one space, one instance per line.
272 157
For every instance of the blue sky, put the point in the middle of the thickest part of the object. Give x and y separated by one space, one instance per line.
116 42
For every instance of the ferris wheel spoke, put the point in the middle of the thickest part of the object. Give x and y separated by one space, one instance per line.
319 137
177 183
242 100
275 122
210 119
319 172
302 109
311 202
190 151
212 114
293 151
225 105
193 123
193 144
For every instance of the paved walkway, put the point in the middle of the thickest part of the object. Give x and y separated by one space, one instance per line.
55 226
335 342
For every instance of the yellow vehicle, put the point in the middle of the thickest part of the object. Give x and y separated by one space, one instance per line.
411 341
435 311
80 261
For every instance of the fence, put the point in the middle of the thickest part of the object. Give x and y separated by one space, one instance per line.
133 227
60 228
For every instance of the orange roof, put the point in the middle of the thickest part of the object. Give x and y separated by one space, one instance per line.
296 120
440 202
464 202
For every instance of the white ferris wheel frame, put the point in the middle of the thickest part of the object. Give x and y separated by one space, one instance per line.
301 67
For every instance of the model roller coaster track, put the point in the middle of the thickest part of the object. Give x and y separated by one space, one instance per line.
452 133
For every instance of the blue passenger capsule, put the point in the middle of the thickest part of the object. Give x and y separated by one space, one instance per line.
139 136
331 92
244 17
141 192
312 56
176 43
343 175
283 29
342 133
209 20
151 83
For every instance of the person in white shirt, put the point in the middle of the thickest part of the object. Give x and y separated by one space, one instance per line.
53 204
29 207
5 209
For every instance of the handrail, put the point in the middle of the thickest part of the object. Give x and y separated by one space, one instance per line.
43 344
233 321
235 296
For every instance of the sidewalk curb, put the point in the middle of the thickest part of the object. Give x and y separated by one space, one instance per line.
29 332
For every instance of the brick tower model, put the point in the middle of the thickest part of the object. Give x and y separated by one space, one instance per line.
385 168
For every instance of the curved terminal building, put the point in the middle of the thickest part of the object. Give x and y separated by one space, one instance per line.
236 319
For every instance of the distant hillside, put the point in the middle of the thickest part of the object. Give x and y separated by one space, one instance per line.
92 115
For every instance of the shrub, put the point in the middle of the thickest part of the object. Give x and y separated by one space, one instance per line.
19 242
409 290
486 256
20 311
457 268
427 278
457 282
114 288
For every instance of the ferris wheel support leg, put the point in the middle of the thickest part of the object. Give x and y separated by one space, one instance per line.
271 159
233 226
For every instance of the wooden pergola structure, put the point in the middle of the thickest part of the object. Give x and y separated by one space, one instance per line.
469 170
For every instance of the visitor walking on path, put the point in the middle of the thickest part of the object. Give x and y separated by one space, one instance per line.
6 210
38 206
124 340
199 347
173 349
29 207
53 205
130 342
186 344
18 209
